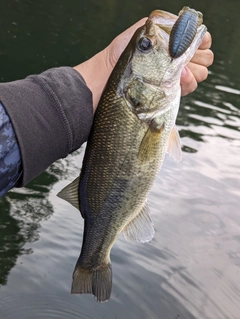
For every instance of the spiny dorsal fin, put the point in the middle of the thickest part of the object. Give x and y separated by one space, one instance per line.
174 145
70 193
140 229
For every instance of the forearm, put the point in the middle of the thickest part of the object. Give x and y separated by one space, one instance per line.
95 72
51 114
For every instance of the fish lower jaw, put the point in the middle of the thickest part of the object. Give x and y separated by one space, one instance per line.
172 101
173 93
149 116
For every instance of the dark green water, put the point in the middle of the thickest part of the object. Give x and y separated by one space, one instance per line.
192 267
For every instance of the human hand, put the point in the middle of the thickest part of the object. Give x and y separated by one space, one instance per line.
197 69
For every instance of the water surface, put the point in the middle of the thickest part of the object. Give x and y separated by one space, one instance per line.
191 269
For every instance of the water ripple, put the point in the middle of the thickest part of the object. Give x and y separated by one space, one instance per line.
227 89
42 306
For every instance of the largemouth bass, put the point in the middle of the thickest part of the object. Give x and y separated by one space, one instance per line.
134 127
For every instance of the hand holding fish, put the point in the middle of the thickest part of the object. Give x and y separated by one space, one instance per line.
97 69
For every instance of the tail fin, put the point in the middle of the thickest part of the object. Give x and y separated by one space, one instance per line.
96 282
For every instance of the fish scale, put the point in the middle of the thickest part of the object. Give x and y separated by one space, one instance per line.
133 128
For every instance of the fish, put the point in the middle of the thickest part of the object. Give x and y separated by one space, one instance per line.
133 128
184 31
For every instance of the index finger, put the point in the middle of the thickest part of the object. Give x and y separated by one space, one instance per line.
206 42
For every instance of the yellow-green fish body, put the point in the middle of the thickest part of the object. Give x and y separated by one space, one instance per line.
134 127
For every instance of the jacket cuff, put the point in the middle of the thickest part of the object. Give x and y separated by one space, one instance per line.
51 114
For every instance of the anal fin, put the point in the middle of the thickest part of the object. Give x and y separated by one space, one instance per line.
140 229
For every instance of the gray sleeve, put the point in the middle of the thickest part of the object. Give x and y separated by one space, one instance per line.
51 114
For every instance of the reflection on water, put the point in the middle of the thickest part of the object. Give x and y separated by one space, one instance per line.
22 211
191 269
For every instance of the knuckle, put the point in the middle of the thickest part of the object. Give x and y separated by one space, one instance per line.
210 57
207 41
208 38
194 86
187 89
203 74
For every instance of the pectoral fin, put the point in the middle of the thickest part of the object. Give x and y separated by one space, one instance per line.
174 145
149 145
140 229
70 193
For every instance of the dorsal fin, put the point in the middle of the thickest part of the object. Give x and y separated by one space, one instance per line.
70 193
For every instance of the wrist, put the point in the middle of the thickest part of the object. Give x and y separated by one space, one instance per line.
96 72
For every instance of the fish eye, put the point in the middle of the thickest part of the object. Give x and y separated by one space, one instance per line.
144 44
